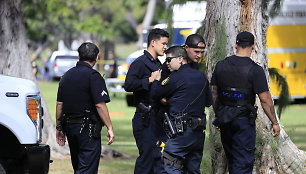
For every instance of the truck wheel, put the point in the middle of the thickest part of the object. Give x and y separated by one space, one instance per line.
2 171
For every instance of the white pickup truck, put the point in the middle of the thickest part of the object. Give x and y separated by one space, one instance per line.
21 125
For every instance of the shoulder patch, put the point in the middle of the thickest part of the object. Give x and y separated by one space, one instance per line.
103 93
165 81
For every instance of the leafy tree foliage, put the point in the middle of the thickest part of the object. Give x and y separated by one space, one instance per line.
51 20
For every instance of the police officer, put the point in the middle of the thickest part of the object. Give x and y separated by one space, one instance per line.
80 107
235 82
139 78
187 92
195 47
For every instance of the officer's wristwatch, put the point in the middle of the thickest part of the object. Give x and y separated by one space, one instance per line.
59 127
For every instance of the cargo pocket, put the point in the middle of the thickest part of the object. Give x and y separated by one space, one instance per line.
249 158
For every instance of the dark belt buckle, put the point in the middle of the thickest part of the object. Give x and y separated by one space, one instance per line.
179 124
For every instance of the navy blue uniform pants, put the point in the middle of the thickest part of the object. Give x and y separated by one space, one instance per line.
238 138
85 152
149 159
187 147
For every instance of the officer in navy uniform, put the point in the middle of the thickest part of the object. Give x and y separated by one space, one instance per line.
80 108
187 92
235 82
195 47
146 128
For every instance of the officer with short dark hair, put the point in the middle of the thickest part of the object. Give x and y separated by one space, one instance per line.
195 47
187 93
81 111
235 82
138 80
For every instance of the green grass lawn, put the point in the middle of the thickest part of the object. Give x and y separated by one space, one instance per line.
293 119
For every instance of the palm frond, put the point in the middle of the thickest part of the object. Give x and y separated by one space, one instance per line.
275 8
283 100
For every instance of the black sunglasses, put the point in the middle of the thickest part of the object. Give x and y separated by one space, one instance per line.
168 59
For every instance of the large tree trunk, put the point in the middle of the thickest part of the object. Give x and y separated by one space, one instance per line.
224 20
15 60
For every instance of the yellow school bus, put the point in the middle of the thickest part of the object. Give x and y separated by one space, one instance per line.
286 43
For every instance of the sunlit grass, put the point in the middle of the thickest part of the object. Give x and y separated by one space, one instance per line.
294 121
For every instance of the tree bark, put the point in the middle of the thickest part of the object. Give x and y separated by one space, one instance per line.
224 20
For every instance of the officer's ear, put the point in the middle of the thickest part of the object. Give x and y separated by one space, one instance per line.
152 43
253 46
181 59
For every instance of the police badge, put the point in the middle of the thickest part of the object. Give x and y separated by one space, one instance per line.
165 81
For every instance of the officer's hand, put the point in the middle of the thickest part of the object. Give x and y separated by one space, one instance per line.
156 75
276 130
60 138
110 136
163 101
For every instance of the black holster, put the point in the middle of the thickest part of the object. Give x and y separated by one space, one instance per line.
145 112
145 119
198 124
253 114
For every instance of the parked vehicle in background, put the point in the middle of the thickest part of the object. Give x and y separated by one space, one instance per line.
116 84
60 62
21 123
286 43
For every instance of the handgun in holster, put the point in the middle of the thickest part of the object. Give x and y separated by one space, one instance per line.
253 114
145 113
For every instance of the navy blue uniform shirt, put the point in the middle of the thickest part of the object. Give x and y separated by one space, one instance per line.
137 78
181 88
81 88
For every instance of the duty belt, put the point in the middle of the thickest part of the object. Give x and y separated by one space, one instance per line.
74 119
180 123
